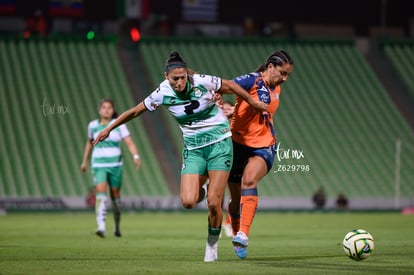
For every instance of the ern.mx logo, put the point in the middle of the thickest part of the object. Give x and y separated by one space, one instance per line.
283 153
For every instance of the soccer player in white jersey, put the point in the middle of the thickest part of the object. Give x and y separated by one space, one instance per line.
208 152
107 164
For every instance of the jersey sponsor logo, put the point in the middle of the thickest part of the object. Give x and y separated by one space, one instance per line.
263 95
242 77
189 108
225 130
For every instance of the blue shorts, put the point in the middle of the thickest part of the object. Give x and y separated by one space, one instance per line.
242 153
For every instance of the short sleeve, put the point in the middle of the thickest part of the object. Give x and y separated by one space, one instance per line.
123 130
90 134
210 82
154 100
245 81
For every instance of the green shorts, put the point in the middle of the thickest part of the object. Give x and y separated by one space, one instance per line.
110 175
216 156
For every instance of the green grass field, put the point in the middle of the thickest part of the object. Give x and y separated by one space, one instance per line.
173 243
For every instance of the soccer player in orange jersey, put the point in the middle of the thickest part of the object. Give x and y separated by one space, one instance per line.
254 143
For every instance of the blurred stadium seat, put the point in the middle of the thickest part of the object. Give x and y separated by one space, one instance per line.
401 55
50 91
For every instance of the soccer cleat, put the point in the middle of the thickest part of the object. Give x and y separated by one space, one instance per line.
100 233
240 242
211 253
117 234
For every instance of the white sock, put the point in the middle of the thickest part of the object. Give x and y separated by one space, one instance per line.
211 253
100 210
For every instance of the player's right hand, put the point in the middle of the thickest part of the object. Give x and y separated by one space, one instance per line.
101 136
84 166
260 106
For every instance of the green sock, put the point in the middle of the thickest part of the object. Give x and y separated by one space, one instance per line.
116 206
215 231
213 235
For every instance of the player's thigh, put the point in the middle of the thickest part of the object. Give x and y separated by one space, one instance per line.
217 185
190 188
241 155
100 179
255 170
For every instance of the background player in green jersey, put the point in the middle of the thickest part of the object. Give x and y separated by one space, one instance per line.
208 152
107 163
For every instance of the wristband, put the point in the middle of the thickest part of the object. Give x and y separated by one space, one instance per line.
136 156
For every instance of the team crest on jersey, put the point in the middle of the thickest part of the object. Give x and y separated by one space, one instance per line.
197 92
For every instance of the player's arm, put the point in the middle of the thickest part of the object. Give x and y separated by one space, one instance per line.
133 150
86 154
229 87
123 118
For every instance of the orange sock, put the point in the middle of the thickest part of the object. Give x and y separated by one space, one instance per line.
248 206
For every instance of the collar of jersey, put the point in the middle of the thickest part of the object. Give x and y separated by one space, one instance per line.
186 93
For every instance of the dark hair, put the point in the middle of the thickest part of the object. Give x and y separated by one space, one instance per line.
174 61
277 58
110 101
228 102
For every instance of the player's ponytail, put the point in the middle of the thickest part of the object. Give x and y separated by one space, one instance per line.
174 61
277 58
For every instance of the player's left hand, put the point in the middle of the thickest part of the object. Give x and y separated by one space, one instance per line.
137 163
101 136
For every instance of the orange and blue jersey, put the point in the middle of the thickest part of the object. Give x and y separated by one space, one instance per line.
249 128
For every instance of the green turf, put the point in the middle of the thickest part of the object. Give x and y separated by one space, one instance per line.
173 243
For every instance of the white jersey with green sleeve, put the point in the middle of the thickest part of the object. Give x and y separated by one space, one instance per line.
107 153
200 120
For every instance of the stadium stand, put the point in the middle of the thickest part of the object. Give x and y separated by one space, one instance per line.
50 91
333 109
401 55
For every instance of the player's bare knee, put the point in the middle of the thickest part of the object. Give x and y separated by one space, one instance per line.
188 204
214 205
249 182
